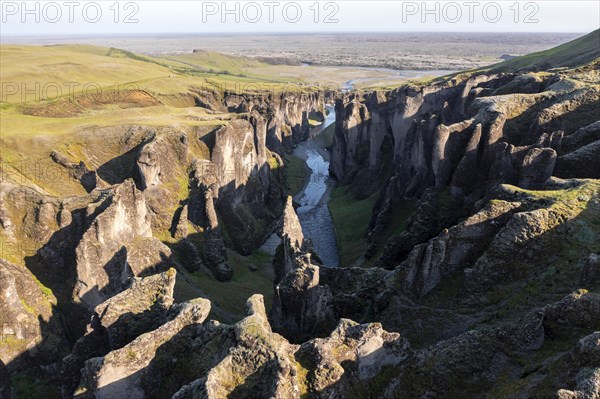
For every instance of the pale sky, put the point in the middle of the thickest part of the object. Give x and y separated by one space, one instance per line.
194 16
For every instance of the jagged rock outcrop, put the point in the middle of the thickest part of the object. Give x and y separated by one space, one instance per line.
351 353
428 264
524 236
130 369
141 305
259 363
472 263
30 333
149 165
241 171
28 209
161 162
79 171
201 212
301 306
121 225
293 243
286 114
469 362
119 320
468 134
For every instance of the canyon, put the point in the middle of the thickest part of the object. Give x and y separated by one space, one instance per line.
444 241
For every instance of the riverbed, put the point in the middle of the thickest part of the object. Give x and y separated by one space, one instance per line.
313 211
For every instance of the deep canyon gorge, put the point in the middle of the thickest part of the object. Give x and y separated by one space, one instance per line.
440 239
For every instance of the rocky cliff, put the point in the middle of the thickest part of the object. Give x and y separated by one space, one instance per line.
465 136
127 202
484 299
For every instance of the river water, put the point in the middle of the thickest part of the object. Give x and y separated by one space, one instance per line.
313 211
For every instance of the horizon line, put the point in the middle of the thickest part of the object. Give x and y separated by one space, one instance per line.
278 33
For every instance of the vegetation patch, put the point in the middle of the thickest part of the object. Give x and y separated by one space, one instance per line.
351 220
232 295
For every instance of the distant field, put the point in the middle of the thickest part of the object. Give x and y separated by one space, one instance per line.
63 88
451 51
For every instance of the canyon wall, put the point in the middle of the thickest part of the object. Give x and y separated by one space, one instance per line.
464 136
127 201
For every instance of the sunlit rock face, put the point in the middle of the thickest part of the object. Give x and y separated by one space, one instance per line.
117 245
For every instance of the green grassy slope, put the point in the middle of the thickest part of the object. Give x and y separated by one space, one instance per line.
575 53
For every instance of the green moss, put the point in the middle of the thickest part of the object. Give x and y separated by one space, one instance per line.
302 378
28 308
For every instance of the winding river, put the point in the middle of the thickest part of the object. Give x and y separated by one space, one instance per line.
313 211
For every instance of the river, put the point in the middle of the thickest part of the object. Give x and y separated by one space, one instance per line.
313 211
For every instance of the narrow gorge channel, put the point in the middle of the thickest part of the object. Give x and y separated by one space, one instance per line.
313 211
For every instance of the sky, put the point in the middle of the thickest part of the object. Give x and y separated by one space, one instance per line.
34 18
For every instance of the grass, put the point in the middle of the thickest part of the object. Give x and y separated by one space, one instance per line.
297 174
34 66
17 124
574 53
351 219
232 295
210 61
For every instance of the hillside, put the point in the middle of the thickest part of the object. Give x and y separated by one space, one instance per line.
578 52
